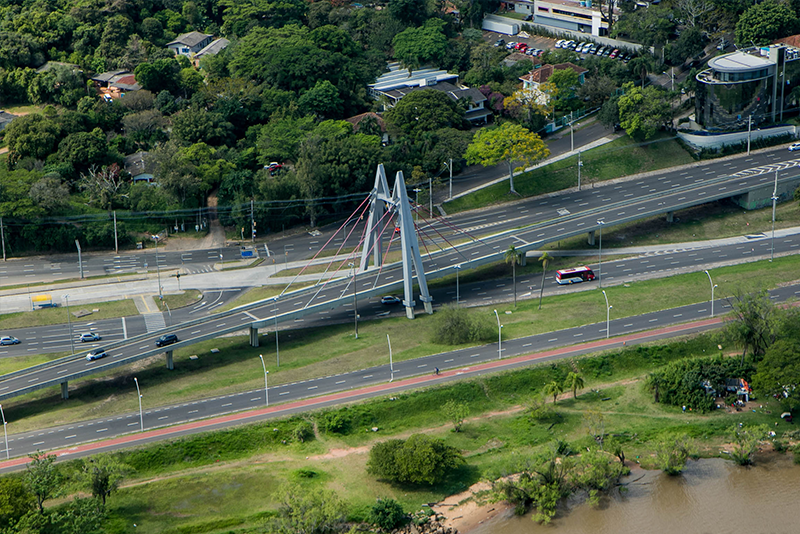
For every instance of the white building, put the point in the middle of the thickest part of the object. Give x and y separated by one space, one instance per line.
575 15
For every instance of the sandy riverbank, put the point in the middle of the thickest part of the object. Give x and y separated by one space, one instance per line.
464 512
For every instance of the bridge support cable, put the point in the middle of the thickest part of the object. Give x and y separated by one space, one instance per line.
363 203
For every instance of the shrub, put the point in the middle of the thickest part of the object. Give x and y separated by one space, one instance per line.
387 514
418 460
456 326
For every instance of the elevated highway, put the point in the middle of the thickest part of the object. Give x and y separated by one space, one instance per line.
557 217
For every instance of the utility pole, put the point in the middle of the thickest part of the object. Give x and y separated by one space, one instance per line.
451 177
80 263
749 124
116 243
774 202
430 195
252 220
3 238
580 164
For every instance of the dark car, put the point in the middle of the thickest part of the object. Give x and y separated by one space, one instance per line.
96 354
500 42
390 299
166 339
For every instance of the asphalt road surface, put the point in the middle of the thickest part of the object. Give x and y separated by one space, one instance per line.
594 335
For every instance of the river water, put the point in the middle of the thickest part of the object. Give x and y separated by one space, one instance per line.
712 496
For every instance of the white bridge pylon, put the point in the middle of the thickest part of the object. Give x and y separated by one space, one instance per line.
384 204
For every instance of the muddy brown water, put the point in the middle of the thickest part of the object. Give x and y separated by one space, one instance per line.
712 496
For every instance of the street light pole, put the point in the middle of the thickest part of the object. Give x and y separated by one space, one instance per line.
774 203
608 314
580 164
139 394
571 132
391 365
416 203
5 430
450 167
713 287
69 322
266 389
275 316
158 270
600 223
749 129
499 337
355 295
458 294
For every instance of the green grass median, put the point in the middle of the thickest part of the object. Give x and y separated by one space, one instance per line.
621 157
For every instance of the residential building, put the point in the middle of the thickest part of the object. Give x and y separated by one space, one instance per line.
214 48
540 75
753 84
137 166
191 43
398 82
114 84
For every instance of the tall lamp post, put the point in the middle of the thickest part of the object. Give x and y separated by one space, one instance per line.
774 202
5 430
580 164
600 223
355 295
266 389
69 322
458 294
499 337
139 394
416 203
158 269
275 316
391 365
713 287
450 166
608 314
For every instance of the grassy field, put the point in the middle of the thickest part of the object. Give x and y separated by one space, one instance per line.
223 482
621 157
49 316
324 351
187 298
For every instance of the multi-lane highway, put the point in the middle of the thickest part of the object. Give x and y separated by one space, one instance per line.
565 215
74 433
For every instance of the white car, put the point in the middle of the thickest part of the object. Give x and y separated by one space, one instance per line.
89 337
794 146
9 340
581 47
560 43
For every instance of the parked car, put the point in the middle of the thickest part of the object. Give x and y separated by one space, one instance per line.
572 45
166 339
607 52
9 340
531 51
600 51
539 53
560 43
613 53
89 337
792 148
510 45
500 42
528 17
96 354
390 299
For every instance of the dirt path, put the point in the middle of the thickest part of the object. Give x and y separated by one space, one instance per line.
214 239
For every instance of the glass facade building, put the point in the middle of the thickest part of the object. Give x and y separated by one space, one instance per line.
755 83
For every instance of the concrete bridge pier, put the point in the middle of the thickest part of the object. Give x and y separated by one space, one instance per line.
253 336
590 238
65 390
170 364
670 216
427 303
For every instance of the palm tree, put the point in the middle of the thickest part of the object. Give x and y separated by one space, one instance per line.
545 259
553 388
642 64
574 382
512 256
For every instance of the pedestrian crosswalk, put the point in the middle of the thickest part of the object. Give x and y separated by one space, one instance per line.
154 321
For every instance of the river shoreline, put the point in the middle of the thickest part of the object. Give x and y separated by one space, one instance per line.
644 487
